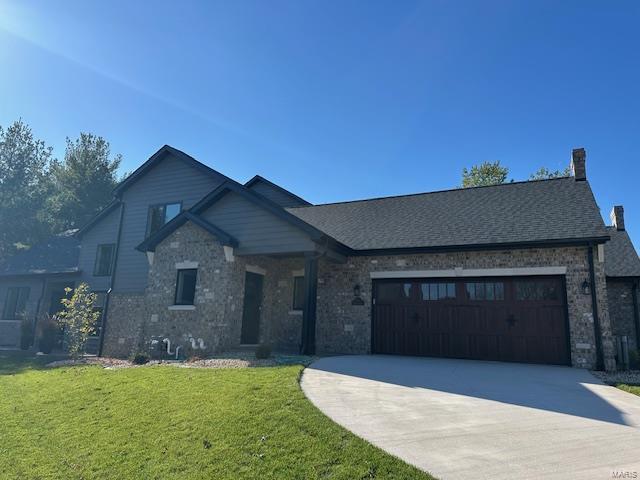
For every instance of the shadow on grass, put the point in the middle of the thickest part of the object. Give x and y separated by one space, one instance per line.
17 361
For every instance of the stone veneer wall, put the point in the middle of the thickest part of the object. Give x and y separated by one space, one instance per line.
133 320
341 327
345 328
620 297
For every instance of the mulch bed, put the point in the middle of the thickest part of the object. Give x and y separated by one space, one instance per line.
628 377
228 360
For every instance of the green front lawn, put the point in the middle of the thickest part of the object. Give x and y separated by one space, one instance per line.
173 423
629 388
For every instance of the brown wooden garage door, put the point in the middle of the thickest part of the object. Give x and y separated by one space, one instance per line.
506 319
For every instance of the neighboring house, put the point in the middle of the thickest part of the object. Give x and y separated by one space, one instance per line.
512 272
32 283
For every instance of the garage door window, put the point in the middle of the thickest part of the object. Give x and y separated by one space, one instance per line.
537 290
437 291
485 291
394 292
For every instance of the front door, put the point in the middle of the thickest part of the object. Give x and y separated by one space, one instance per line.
252 305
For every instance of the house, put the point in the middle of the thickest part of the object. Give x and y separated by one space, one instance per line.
525 271
622 269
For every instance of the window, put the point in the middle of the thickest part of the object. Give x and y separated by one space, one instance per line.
15 305
537 290
485 291
186 286
104 260
437 291
161 214
298 293
393 292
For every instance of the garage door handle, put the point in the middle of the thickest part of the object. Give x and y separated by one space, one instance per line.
511 320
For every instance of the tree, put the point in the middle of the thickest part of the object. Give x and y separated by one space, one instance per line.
79 318
24 184
544 173
83 182
487 173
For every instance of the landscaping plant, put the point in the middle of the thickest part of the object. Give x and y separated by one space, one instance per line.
47 331
79 318
263 351
140 358
26 334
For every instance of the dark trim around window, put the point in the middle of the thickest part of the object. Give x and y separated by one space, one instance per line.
186 281
298 293
99 269
15 303
164 205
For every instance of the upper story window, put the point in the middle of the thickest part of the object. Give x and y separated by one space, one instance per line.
161 214
104 260
298 293
15 305
186 286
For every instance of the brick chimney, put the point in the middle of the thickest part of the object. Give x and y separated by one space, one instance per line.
578 164
617 217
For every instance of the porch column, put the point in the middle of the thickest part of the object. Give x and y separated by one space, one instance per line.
309 309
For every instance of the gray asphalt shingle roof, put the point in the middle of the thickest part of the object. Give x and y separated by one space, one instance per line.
620 258
558 209
59 254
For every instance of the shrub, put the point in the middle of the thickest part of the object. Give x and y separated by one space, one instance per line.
140 358
47 331
263 351
634 359
79 317
26 334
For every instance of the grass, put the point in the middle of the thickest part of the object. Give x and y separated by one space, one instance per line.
635 389
173 423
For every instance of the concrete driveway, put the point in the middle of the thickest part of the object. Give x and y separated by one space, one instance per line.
462 419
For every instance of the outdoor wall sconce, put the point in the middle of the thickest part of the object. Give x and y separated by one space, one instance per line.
586 288
357 298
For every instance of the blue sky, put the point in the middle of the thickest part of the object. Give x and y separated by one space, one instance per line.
337 100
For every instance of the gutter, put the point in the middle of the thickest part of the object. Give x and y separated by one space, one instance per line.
35 320
636 313
566 242
594 305
111 282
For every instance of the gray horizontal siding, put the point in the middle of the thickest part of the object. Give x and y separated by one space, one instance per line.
256 229
170 181
276 195
105 231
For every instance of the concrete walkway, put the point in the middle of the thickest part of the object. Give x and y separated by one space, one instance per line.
460 419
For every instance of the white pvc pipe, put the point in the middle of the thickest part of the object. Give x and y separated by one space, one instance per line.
168 342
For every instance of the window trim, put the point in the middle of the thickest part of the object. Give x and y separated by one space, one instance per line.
175 297
15 316
164 205
294 308
95 263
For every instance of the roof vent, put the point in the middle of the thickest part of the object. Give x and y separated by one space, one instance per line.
578 164
617 217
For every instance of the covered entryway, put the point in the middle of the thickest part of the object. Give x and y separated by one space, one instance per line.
514 319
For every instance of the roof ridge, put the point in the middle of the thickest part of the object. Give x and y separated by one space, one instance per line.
432 192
